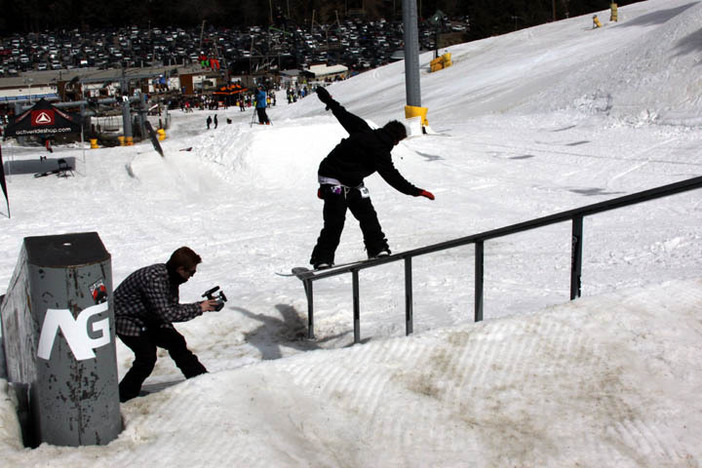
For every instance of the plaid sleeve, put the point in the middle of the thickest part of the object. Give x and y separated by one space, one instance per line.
161 300
146 298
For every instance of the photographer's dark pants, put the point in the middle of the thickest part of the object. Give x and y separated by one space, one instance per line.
336 200
144 347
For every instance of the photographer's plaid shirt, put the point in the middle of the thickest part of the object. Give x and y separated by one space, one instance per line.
148 298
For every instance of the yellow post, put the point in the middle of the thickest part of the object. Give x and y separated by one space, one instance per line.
596 22
130 141
414 111
121 140
161 134
447 59
439 63
93 143
614 16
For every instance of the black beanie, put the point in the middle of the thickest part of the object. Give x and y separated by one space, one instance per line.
396 130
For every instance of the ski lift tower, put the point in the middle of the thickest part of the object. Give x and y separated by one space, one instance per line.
414 97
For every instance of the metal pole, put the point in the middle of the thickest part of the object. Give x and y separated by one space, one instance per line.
310 308
356 309
411 36
479 273
576 265
409 313
126 117
126 112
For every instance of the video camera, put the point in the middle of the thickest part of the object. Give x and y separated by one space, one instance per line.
221 298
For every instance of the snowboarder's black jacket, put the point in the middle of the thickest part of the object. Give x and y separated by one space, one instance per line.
364 152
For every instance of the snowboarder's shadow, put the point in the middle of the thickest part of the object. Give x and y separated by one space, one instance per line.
290 331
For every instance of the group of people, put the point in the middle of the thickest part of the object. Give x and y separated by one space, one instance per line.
261 101
146 303
187 105
247 100
293 94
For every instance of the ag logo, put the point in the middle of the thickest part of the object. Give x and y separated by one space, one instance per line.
42 117
75 331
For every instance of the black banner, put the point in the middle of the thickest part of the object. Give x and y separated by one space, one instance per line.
43 119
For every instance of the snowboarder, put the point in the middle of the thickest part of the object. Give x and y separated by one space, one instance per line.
146 305
261 106
209 122
341 176
215 121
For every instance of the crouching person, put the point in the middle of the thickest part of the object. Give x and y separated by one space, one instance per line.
146 304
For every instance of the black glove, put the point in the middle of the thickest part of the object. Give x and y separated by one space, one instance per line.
325 97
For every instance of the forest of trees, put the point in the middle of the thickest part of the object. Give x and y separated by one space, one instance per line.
487 17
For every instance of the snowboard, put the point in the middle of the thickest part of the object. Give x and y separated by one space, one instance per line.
46 173
299 271
148 389
60 171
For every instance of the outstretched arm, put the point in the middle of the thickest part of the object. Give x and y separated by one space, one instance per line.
392 176
351 123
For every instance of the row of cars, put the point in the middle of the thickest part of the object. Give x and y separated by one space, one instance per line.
355 43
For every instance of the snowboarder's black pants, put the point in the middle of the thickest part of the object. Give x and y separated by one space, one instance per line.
144 347
336 200
262 116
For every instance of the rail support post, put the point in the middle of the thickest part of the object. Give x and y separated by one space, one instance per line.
576 265
479 272
356 308
409 313
310 308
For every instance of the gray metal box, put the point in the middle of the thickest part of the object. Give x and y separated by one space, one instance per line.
59 339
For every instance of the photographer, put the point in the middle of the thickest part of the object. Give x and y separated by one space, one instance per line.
261 104
146 304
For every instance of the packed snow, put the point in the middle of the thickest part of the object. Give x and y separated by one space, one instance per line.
533 123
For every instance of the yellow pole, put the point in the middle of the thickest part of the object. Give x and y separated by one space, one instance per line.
414 111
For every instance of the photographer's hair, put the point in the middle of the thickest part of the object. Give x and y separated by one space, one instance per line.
184 257
396 130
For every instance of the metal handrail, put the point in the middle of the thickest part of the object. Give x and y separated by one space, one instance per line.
575 216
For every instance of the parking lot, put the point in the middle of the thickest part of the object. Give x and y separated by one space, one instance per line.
355 43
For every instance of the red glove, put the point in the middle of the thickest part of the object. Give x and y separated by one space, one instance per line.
424 193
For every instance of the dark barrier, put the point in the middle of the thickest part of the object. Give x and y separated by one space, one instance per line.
59 341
